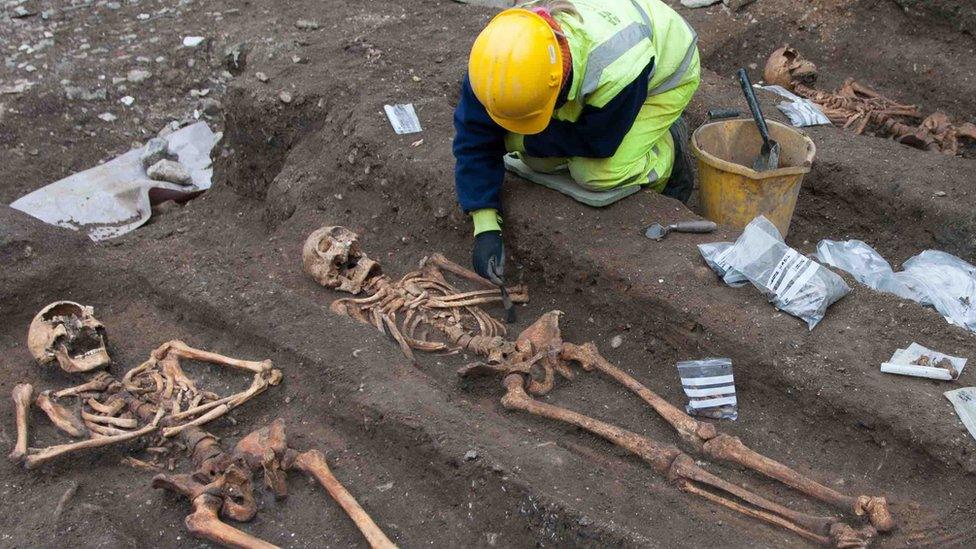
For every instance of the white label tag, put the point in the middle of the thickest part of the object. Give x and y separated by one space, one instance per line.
403 118
791 273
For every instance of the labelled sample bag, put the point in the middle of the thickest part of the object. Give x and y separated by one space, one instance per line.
792 282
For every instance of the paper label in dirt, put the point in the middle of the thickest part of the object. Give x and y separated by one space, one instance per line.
403 118
964 401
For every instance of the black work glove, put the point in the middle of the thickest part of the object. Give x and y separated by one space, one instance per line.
488 257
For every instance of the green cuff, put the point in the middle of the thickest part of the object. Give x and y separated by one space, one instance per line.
514 142
486 219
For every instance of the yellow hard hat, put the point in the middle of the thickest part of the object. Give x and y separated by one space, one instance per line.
516 70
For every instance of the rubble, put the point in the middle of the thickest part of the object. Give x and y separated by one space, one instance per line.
171 171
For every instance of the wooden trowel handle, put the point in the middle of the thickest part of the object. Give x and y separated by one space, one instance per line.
701 226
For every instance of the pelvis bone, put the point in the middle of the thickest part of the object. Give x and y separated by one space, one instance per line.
68 333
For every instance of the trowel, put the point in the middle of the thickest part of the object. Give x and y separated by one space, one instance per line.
658 231
768 158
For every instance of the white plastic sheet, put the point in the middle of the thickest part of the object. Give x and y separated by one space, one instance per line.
114 198
800 110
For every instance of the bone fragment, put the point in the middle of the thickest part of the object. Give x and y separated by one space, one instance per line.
106 409
63 501
140 464
209 416
98 383
21 395
185 351
61 417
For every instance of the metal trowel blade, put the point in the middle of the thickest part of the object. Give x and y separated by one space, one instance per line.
655 232
768 159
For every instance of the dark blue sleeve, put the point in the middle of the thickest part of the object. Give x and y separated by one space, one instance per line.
479 148
598 132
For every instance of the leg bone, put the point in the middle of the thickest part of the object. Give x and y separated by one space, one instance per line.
705 438
665 459
313 462
204 523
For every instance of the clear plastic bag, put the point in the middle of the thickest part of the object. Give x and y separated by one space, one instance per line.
857 258
710 388
933 278
943 281
792 282
716 256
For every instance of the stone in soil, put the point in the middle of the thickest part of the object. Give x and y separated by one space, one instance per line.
156 149
138 75
170 171
76 93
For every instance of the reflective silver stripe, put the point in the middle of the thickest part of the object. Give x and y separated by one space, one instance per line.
609 51
606 53
652 177
679 73
643 14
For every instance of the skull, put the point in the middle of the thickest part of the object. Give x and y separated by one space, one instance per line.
786 67
69 333
332 257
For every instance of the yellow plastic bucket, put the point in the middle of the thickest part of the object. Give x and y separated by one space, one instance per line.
730 191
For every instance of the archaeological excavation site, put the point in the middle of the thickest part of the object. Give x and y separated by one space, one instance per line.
307 273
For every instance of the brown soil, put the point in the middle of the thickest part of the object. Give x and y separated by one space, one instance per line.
223 273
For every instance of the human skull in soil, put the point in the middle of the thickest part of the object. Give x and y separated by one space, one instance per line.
333 257
68 333
786 67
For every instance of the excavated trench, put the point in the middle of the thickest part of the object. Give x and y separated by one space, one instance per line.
223 273
402 213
